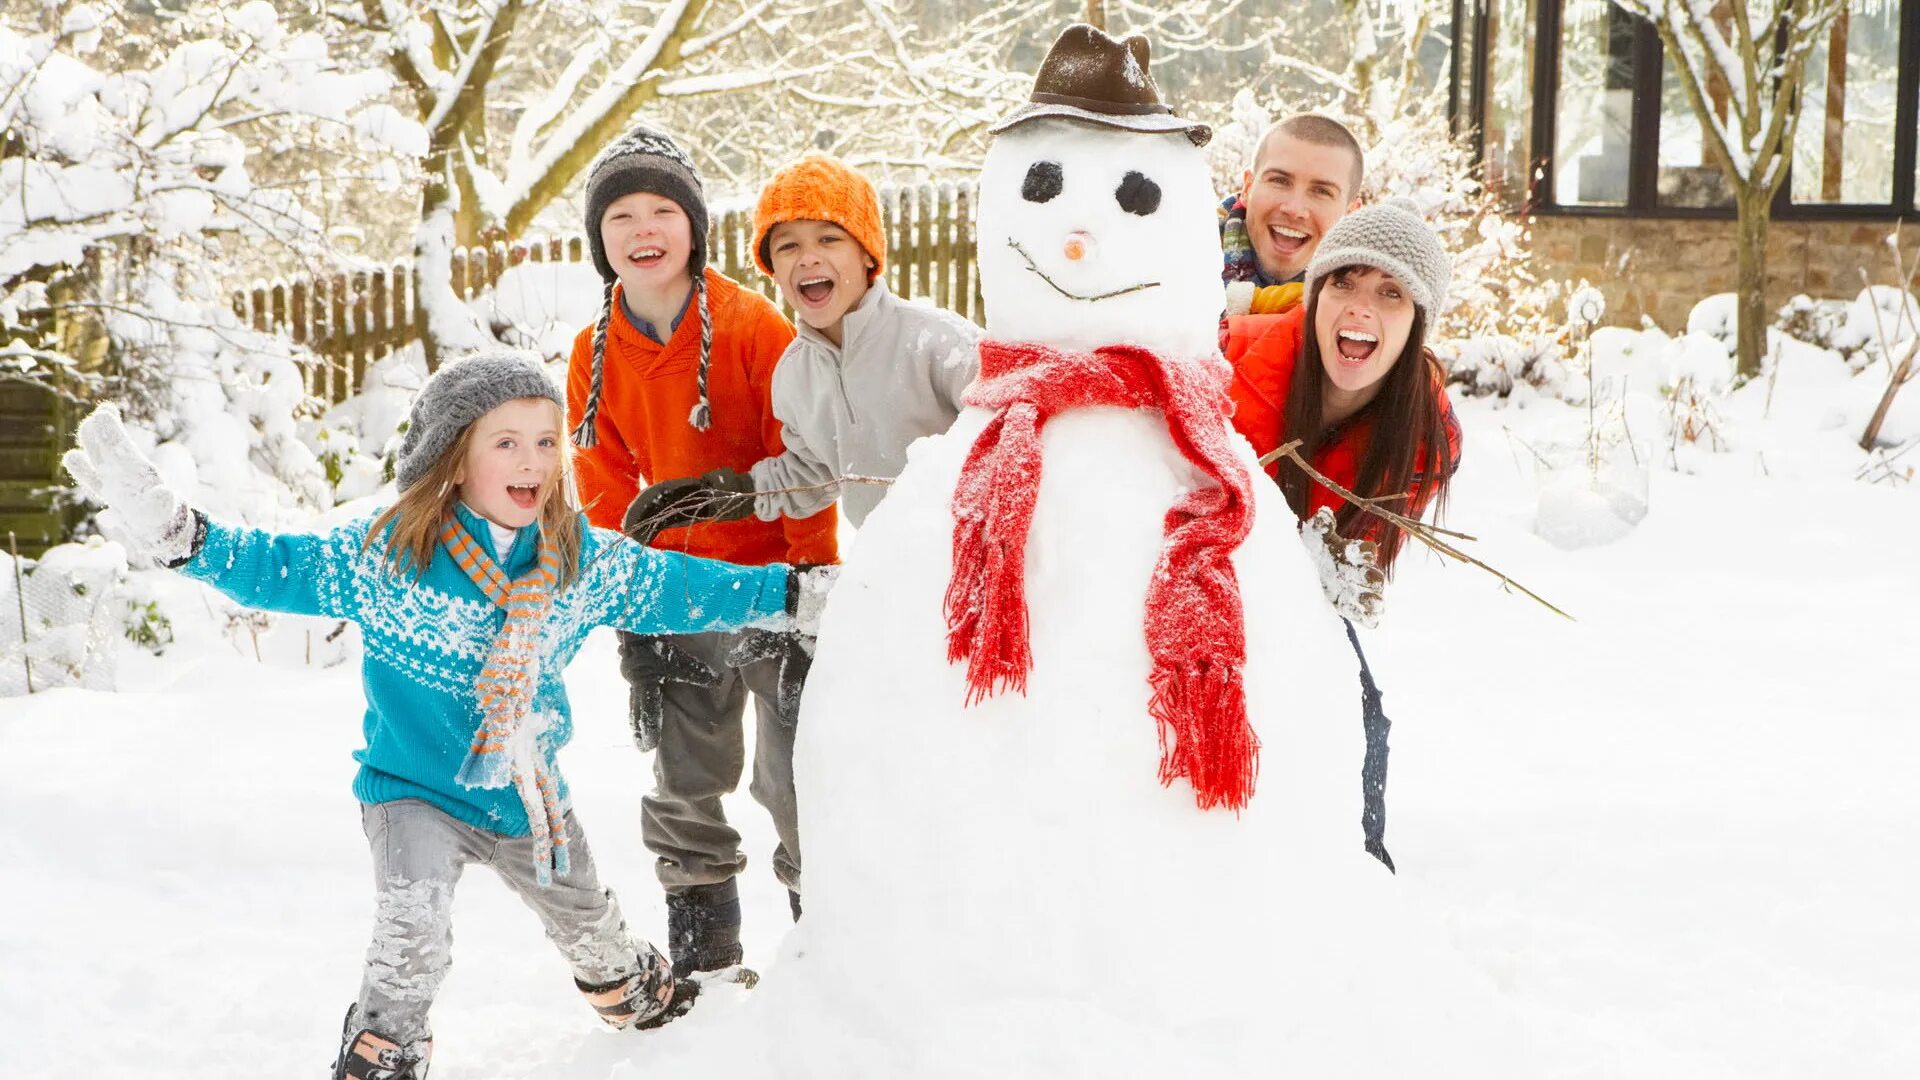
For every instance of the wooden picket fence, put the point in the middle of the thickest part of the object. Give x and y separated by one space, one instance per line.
350 320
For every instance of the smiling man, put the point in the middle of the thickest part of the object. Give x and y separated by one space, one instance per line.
1305 176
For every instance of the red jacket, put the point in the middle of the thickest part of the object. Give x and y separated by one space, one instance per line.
1264 350
644 437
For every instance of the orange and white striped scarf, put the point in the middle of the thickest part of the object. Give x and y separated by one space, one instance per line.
501 753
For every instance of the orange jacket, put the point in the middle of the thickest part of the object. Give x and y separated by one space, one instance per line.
647 391
1264 350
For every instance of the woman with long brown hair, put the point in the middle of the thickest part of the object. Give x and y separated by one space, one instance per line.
1349 375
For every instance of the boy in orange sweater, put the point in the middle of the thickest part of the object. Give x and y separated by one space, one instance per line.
674 380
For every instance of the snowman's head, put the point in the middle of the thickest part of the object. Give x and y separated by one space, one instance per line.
1092 235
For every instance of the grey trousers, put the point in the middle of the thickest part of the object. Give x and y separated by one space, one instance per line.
700 758
419 852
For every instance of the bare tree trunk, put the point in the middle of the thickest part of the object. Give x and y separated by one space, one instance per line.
1097 14
1754 203
1834 145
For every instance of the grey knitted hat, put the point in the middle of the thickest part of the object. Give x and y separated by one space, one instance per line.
645 159
1393 237
461 392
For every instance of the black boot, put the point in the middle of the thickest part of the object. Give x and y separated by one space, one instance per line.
793 901
703 928
366 1054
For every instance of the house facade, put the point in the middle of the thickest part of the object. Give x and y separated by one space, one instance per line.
1580 118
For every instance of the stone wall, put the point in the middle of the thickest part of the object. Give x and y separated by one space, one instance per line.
1661 267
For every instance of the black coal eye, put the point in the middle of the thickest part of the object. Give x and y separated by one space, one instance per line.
1044 181
1137 194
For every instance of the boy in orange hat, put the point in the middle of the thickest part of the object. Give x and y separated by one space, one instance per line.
866 375
673 380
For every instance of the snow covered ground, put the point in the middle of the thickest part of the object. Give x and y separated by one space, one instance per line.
1683 823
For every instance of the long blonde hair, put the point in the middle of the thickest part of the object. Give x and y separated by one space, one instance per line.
423 509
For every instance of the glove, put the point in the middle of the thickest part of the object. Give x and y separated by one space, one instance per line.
660 507
1275 299
793 651
719 495
648 662
1246 298
807 588
728 495
1349 570
111 471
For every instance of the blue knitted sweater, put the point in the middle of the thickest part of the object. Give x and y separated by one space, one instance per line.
426 636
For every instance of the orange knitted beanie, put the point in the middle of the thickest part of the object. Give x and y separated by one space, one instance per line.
820 188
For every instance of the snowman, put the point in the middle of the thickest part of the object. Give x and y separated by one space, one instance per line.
1078 757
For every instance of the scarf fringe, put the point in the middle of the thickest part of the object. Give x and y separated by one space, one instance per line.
1205 739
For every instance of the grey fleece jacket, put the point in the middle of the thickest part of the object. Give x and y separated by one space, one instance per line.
851 409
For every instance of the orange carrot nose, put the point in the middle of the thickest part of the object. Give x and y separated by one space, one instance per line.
1076 246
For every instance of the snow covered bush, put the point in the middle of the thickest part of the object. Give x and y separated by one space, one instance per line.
125 191
78 603
127 197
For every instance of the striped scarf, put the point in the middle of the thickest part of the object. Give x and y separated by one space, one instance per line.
503 752
1236 247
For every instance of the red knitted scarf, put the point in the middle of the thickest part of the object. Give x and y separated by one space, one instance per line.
1195 628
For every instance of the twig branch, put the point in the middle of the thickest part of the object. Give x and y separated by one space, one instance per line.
1426 534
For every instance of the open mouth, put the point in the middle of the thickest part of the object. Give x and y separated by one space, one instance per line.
815 290
1356 345
524 496
646 257
1289 241
1035 267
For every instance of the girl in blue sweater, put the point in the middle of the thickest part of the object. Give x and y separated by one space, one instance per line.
473 591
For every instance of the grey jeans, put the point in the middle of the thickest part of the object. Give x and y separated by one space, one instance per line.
419 852
701 755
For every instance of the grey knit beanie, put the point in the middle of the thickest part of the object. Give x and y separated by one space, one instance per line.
645 159
1390 236
461 392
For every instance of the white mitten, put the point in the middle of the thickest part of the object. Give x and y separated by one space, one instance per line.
111 471
810 601
1239 297
1349 570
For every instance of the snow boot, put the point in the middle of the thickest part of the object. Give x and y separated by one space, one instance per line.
636 1001
366 1054
703 928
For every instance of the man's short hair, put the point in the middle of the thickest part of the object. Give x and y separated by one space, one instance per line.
1320 131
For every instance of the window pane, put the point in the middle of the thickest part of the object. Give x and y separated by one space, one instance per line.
1512 29
1594 115
1689 173
1843 151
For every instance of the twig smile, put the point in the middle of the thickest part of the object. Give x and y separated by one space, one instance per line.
1035 267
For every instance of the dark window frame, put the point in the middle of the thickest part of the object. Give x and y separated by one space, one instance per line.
1643 167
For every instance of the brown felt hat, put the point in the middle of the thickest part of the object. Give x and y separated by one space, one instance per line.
1091 77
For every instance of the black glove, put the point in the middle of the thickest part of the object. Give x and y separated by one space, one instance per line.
792 651
728 495
666 505
792 648
648 662
718 495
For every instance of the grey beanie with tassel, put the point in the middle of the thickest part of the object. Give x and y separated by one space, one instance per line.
645 159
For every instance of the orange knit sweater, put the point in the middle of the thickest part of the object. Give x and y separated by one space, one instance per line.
648 390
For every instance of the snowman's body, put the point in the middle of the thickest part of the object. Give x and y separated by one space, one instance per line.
984 879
